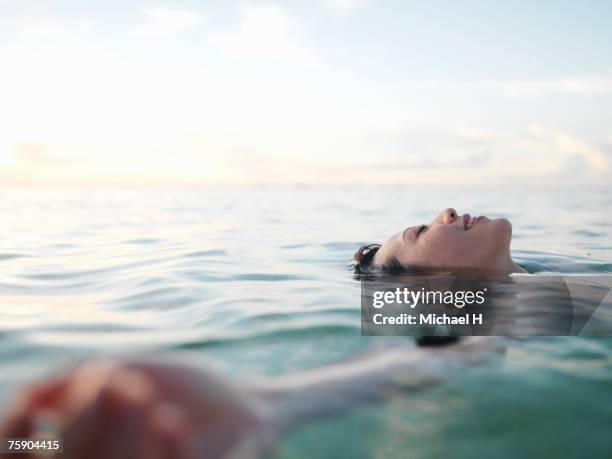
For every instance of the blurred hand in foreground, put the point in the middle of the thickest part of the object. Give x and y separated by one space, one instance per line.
142 410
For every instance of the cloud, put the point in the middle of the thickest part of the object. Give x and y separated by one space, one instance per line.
533 154
532 88
50 32
550 154
167 22
344 6
474 160
574 149
265 32
86 104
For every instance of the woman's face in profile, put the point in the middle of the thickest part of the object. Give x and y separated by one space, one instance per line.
451 241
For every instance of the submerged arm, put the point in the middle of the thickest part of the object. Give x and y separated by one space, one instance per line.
302 397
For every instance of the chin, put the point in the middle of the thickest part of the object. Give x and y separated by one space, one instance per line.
503 227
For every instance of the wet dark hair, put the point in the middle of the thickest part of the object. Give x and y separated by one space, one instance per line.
365 255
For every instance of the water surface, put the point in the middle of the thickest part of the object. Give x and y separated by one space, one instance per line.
259 282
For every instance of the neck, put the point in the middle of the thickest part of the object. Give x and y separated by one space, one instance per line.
518 269
508 264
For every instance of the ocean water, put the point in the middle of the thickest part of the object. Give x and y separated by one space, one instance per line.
258 282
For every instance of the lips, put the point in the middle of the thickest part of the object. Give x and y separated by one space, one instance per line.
469 221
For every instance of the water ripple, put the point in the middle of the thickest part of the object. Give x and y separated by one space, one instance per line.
239 276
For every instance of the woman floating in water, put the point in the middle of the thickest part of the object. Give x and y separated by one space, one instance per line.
451 241
153 410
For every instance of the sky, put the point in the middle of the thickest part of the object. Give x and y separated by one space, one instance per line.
307 93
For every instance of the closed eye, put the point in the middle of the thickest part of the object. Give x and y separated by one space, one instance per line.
421 229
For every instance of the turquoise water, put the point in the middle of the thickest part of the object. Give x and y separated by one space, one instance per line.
258 282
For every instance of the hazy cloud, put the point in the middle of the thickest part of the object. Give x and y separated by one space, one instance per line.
167 22
265 32
344 6
573 147
531 88
49 32
70 90
474 160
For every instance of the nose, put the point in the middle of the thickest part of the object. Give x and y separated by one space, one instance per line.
448 216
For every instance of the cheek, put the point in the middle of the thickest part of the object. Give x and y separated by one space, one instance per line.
496 235
445 245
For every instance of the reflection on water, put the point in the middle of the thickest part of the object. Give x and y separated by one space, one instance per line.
259 282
